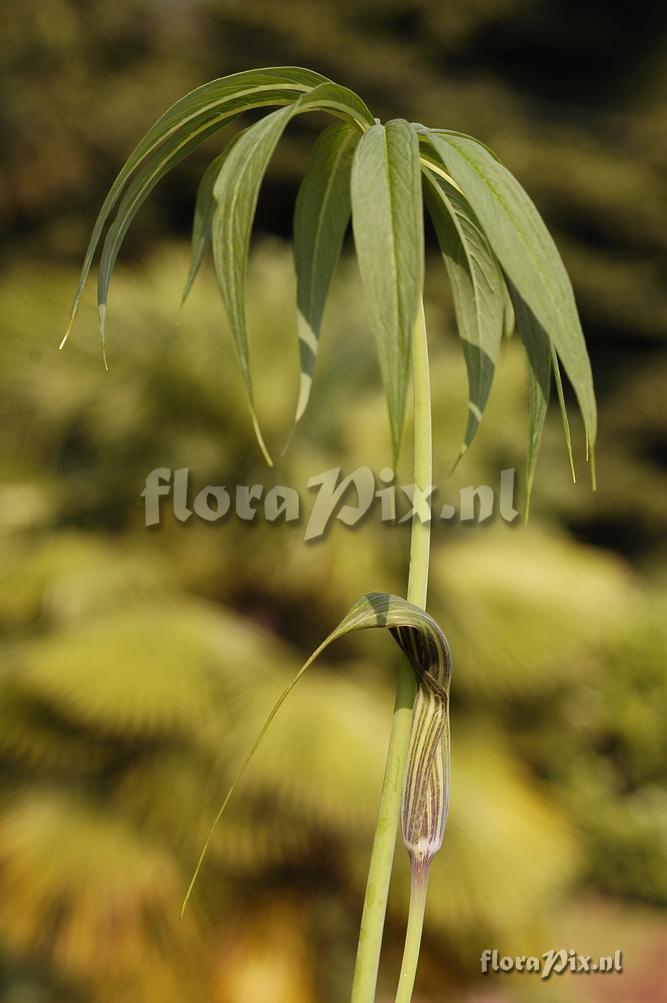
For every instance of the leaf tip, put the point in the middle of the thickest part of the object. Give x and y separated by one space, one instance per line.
289 438
72 317
564 417
462 451
102 310
65 337
260 440
396 429
594 476
573 472
530 481
305 383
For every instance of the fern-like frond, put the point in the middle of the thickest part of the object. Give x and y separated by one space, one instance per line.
527 611
70 575
82 889
174 794
150 670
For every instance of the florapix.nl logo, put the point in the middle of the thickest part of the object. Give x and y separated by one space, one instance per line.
331 497
556 961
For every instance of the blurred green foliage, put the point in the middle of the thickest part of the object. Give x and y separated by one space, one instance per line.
138 664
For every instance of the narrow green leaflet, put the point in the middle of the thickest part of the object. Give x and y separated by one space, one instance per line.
527 254
388 233
136 193
563 414
509 320
477 288
458 135
203 215
202 220
236 191
539 360
195 115
339 101
542 361
266 86
422 640
321 216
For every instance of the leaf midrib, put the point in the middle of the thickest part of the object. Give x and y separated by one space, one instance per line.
514 222
325 198
392 224
473 276
146 184
236 189
303 89
583 392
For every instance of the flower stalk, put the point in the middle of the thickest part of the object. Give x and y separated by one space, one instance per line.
384 843
413 936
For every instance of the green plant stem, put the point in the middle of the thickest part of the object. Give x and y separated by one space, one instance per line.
413 937
382 854
384 843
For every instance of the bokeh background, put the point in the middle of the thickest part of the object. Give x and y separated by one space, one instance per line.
137 665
